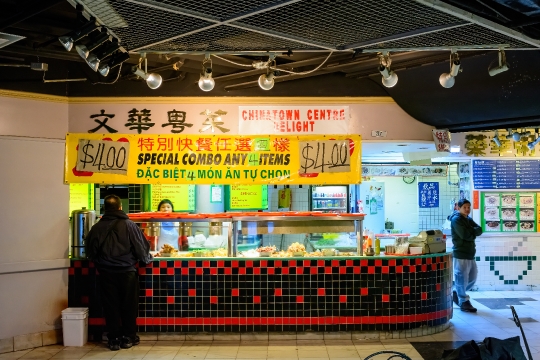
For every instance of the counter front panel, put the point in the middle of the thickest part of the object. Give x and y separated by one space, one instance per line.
218 295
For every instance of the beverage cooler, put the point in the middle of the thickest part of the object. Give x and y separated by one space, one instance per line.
329 198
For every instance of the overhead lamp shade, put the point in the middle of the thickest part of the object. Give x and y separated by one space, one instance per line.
69 39
516 136
532 144
266 81
206 83
152 80
84 50
115 61
447 80
389 78
497 141
94 59
93 62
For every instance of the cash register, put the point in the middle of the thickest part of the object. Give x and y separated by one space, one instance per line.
431 241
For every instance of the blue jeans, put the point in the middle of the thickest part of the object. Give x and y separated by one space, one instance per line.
465 274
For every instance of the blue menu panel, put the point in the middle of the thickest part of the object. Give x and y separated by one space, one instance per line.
506 174
428 194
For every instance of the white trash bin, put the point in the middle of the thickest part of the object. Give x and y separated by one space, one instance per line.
75 326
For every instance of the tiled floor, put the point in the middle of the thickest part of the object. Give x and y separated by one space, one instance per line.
465 326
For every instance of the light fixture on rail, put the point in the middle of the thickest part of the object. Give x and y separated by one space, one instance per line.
503 66
152 80
516 136
206 83
113 62
389 78
532 144
496 139
84 50
72 37
447 80
94 59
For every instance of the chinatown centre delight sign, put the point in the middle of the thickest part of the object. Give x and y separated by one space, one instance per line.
212 159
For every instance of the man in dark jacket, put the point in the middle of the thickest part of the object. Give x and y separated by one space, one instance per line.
464 232
115 244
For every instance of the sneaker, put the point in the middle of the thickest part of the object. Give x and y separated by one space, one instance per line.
126 342
455 297
466 306
136 340
114 345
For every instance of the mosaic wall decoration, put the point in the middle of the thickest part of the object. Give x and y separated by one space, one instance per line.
211 295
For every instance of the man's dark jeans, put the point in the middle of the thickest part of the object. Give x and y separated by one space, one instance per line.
120 296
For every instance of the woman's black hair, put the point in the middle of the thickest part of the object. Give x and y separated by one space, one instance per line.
463 202
165 201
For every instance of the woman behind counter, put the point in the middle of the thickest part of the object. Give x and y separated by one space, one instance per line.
169 230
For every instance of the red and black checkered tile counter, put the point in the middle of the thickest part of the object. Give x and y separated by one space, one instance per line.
285 294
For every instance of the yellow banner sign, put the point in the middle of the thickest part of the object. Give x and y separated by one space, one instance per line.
212 159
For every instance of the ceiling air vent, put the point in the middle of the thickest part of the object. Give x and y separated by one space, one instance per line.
7 39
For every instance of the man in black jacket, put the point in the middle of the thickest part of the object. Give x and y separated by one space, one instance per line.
115 244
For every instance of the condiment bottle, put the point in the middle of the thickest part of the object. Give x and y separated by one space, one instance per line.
183 244
377 246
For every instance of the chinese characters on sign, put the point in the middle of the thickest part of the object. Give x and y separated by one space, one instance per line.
178 121
442 140
213 121
428 194
482 144
102 123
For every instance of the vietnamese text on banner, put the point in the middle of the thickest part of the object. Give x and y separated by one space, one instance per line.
212 159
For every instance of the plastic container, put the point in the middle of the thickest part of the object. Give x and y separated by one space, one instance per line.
415 250
75 326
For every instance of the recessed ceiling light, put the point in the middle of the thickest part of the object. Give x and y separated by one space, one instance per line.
402 145
389 152
423 148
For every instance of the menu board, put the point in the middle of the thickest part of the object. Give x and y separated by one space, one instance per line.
81 196
182 196
505 212
248 197
506 174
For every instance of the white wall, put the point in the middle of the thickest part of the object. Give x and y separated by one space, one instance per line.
34 216
401 203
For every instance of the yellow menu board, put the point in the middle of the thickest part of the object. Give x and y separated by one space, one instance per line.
248 197
182 196
81 196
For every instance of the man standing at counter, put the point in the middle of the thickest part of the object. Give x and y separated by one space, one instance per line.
115 244
464 233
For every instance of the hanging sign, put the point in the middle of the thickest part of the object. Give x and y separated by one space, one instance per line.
284 196
212 159
428 194
442 140
293 119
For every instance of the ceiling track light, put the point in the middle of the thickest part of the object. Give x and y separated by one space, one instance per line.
516 136
496 139
84 50
532 144
267 81
503 66
152 80
206 83
94 59
116 60
72 37
389 78
447 80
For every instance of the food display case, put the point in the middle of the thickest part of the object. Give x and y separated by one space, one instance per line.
230 235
